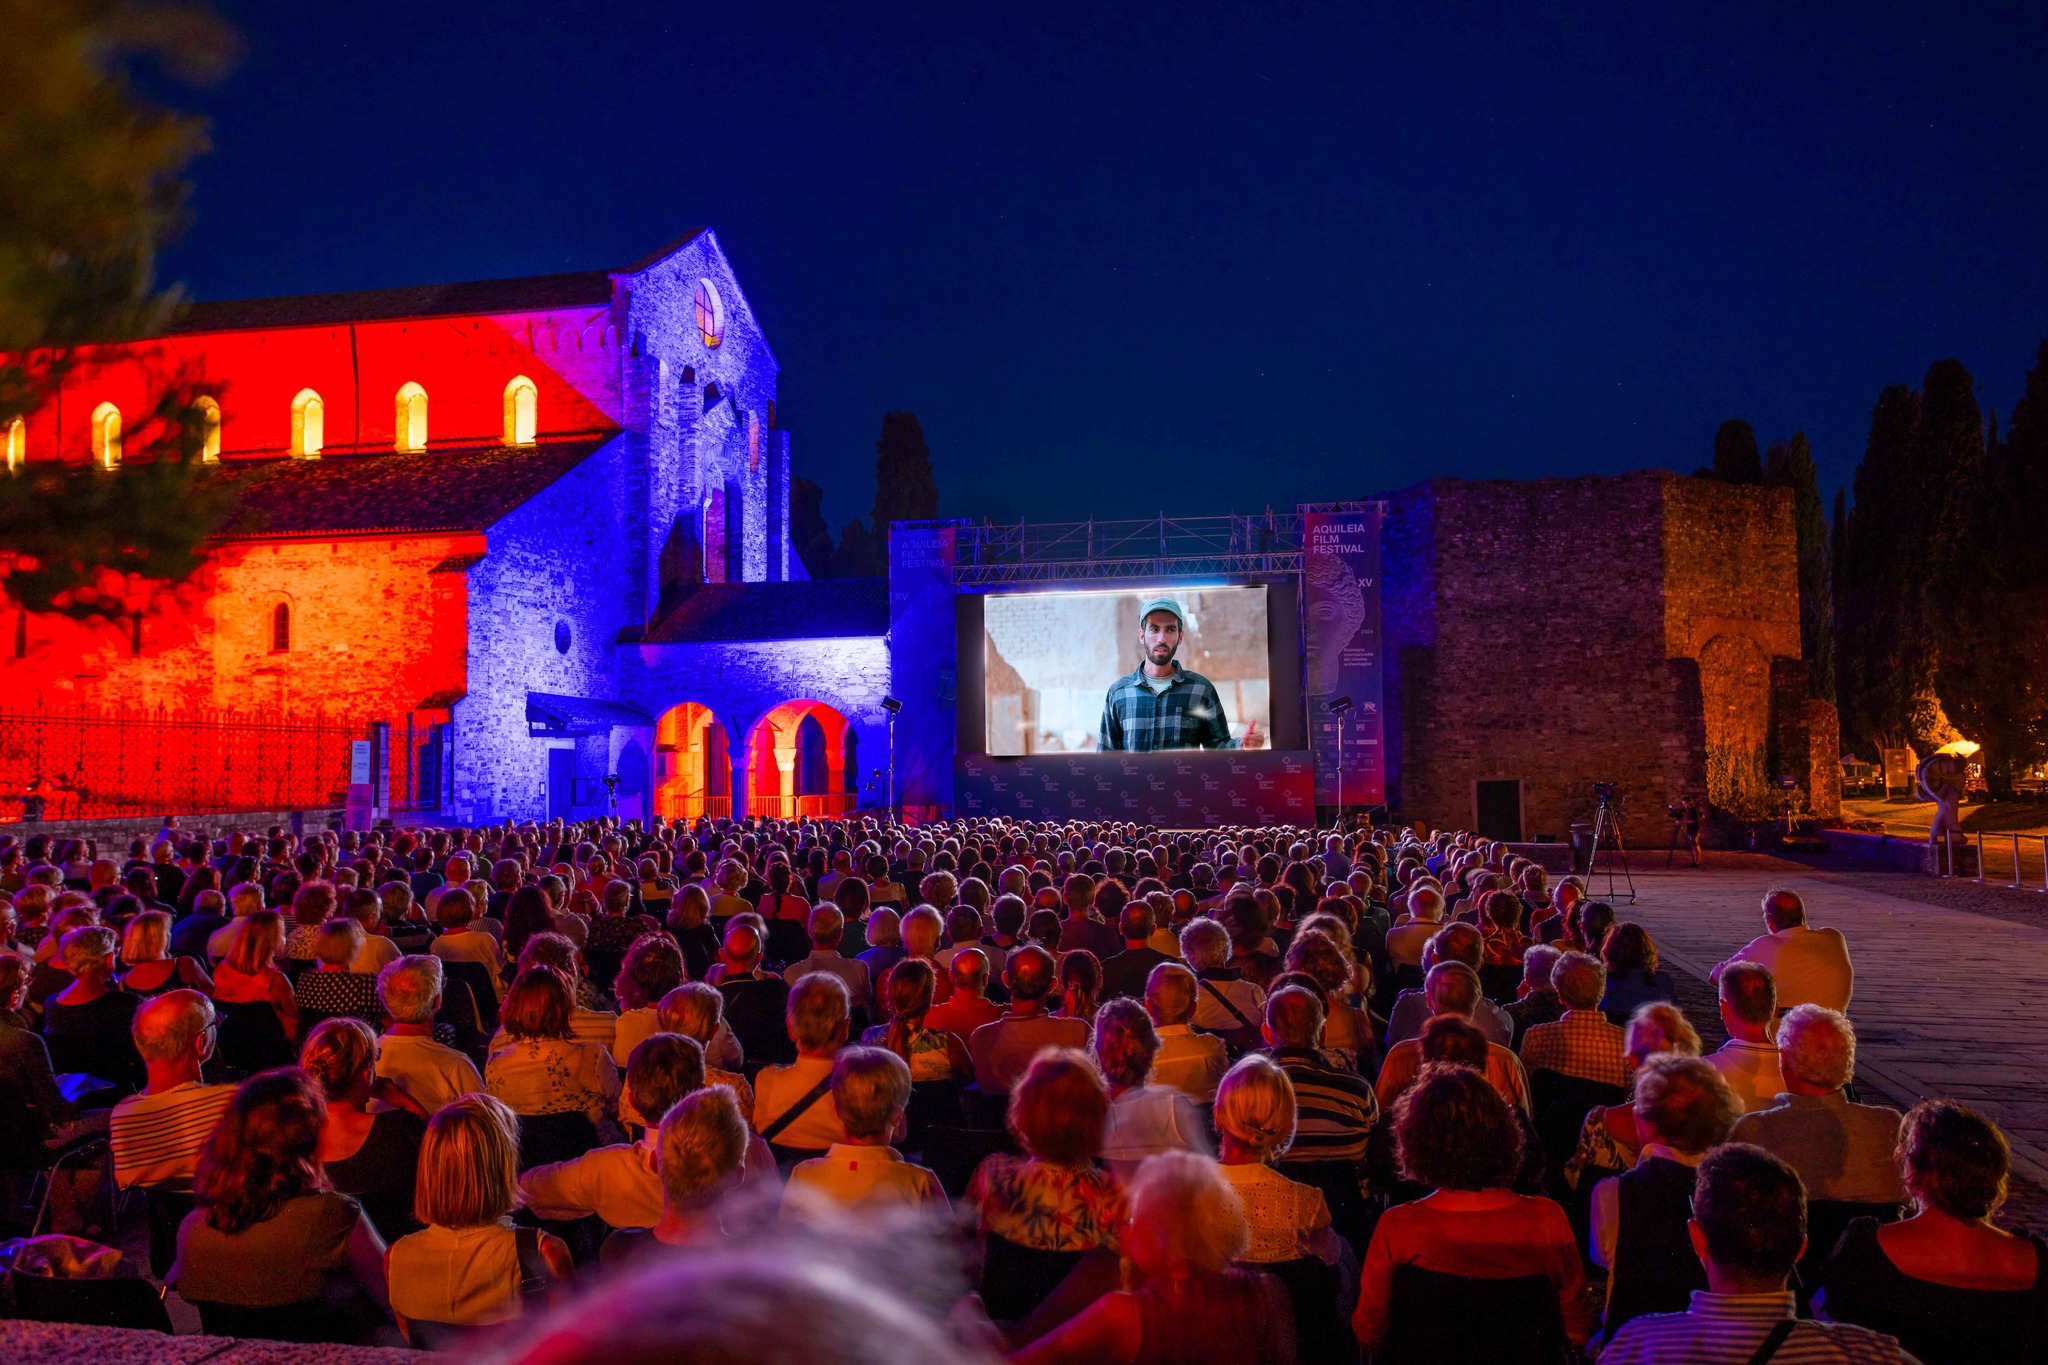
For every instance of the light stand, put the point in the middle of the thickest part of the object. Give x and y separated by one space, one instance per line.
1337 706
892 706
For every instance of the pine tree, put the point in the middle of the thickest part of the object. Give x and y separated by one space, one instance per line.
1837 527
1883 648
904 487
1789 464
1735 454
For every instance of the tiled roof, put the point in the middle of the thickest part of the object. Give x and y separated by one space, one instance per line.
533 293
435 490
824 609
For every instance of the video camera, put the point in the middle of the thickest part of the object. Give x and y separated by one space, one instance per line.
1607 793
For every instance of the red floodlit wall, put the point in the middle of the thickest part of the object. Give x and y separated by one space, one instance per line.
464 364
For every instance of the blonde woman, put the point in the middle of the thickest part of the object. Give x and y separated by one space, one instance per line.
249 974
468 1267
697 1011
1255 1115
150 968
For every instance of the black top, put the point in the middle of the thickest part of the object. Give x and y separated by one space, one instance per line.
1655 1270
189 935
1124 974
753 1010
1936 1322
700 949
381 1173
94 1037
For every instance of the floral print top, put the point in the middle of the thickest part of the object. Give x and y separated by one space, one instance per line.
1046 1207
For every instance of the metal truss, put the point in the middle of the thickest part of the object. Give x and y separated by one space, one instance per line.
989 555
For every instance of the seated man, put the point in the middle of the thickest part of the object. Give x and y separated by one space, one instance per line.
157 1134
1124 975
1748 1228
1425 916
1452 988
755 1001
1810 966
1190 1062
793 1106
1224 1001
1334 1111
1581 1043
1536 1001
1843 1151
871 1089
1748 1061
621 1183
424 1069
827 929
1683 1110
1003 1050
1451 943
969 1007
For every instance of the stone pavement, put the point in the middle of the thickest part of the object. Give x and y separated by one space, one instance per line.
1947 1001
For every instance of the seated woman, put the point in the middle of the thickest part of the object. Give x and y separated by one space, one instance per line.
249 974
689 924
266 1232
149 968
1608 1142
697 1011
1080 985
370 1156
1187 1302
652 968
922 934
1255 1114
87 1022
25 1057
1633 977
1053 1198
1455 1134
467 1267
331 989
1948 1282
1347 1029
931 1054
543 1068
1144 1119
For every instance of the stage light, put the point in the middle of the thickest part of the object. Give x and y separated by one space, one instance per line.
891 705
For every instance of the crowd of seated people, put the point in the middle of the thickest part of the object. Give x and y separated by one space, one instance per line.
1238 1095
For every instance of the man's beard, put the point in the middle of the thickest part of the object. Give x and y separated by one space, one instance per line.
1160 655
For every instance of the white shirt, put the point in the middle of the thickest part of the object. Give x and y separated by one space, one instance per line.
1147 1120
1752 1071
1189 1062
426 1070
466 1276
620 1184
377 953
861 1177
1288 1220
1810 966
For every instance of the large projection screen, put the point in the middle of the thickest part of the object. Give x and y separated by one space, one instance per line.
1050 657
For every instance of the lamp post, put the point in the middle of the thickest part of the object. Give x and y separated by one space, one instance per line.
893 707
1338 706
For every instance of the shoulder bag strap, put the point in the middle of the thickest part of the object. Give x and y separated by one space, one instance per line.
534 1275
797 1110
1224 1001
1773 1341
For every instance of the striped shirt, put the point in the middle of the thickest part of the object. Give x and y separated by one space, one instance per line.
1581 1043
158 1137
1727 1329
1334 1108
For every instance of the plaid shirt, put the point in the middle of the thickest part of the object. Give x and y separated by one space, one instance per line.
1187 715
1581 1043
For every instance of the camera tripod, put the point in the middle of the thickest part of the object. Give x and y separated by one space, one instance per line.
1607 824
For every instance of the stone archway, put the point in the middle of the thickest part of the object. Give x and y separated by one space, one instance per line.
774 762
694 767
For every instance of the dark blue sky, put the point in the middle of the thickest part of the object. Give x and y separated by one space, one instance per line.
1197 258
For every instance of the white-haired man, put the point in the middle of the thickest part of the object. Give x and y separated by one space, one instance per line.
1842 1150
1406 940
430 1072
1810 966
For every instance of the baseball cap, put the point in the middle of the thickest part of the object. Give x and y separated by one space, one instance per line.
1163 604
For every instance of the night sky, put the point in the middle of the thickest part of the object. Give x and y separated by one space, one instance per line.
1197 258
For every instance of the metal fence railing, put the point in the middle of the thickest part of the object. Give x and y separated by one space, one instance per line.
83 763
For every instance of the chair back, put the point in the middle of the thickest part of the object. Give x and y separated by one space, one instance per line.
788 941
548 1138
460 1012
1826 1221
1438 1317
306 1323
1314 1287
22 1132
251 1038
109 1057
1015 1279
122 1301
477 977
167 1205
951 1154
296 967
932 1103
1561 1104
1501 983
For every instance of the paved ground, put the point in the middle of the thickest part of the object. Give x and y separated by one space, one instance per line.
1950 979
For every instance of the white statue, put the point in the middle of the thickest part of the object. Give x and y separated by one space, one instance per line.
1940 779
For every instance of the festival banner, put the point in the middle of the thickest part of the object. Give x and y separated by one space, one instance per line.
923 662
1340 563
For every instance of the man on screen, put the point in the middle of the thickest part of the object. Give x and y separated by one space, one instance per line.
1162 705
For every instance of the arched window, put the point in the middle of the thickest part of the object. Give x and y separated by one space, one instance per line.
412 418
17 444
280 628
209 435
520 419
309 425
710 314
106 436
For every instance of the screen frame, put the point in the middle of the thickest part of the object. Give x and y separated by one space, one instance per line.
1289 721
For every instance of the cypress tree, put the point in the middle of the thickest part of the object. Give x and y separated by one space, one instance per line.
1884 650
1789 464
1735 453
904 487
809 536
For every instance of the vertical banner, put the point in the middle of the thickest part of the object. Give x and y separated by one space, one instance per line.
1340 563
923 663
